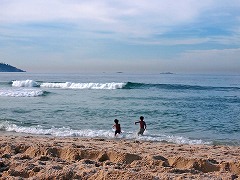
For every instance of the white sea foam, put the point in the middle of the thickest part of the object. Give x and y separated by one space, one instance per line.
172 139
25 83
69 85
20 92
62 132
68 132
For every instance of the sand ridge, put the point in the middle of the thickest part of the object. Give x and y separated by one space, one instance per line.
43 157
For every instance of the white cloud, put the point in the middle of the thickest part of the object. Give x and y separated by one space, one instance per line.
26 32
135 17
27 11
170 42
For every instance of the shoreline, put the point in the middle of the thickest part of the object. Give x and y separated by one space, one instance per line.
210 143
44 157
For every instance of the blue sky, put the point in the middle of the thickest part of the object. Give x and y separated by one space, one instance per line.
185 36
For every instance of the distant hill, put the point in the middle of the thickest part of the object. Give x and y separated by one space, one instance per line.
8 68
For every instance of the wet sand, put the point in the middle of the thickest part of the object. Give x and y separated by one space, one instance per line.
41 157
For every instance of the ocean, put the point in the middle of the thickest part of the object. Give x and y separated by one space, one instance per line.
178 108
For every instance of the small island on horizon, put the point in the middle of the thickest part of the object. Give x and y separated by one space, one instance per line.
167 73
8 68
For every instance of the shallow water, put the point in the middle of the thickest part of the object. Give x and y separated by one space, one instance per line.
178 108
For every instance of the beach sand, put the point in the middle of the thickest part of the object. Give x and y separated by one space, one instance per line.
44 157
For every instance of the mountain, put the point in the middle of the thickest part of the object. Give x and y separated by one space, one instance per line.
8 68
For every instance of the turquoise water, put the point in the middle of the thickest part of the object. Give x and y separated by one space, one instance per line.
178 108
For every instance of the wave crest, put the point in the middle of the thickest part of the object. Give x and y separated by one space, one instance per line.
120 85
21 92
133 85
25 83
69 85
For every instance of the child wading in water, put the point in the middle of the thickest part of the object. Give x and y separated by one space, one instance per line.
143 125
117 127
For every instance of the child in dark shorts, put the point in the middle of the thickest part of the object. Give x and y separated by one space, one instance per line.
117 127
143 125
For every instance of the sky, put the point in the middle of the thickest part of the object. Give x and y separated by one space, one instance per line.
140 36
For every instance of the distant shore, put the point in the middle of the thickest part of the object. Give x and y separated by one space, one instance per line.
8 68
44 157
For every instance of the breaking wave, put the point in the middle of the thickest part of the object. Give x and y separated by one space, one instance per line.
22 92
90 133
25 83
69 85
118 85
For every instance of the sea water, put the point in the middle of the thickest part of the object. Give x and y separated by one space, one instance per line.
178 108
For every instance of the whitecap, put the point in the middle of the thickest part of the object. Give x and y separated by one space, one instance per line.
25 83
20 92
69 85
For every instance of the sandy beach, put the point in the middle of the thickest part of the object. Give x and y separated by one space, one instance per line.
80 158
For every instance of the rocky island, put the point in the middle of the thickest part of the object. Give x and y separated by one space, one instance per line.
8 68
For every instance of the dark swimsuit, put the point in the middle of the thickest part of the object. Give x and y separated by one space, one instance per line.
118 129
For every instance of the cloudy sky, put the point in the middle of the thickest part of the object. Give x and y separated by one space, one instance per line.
182 36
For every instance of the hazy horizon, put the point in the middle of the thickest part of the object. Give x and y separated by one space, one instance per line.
112 36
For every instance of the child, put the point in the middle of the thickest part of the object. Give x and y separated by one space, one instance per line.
143 125
117 127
